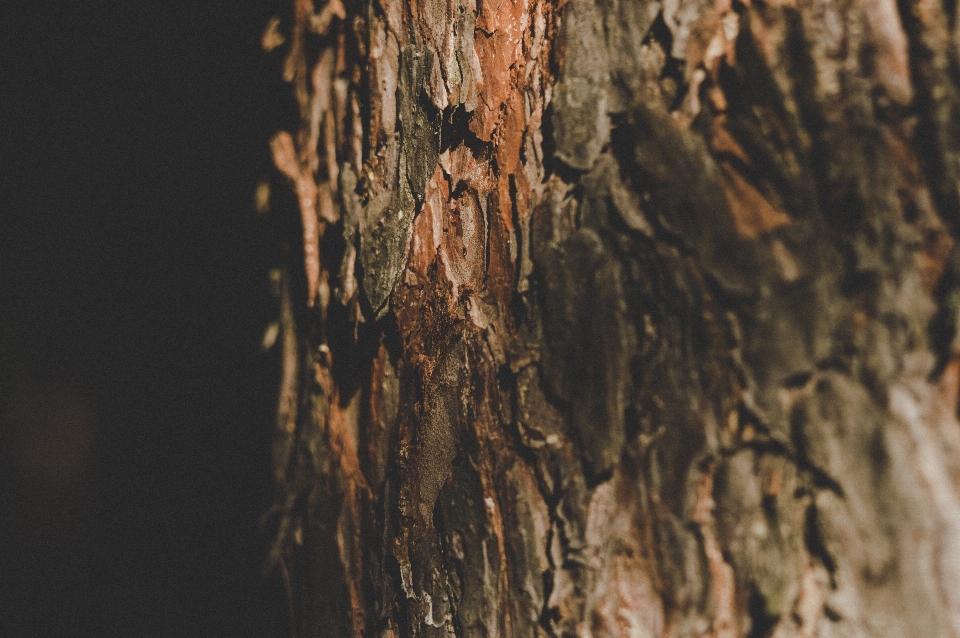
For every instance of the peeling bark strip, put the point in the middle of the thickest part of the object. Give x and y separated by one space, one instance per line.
633 318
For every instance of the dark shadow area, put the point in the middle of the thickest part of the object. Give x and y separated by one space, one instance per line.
136 407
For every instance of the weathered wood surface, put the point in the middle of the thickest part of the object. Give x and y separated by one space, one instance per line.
632 318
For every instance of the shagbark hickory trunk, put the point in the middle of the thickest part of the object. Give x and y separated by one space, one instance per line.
619 318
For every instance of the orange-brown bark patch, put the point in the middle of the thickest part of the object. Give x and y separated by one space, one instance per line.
497 40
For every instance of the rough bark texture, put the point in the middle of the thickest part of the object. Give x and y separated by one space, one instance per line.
620 318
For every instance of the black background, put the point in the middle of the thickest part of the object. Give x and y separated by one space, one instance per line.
133 293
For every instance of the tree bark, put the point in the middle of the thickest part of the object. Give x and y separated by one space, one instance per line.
619 318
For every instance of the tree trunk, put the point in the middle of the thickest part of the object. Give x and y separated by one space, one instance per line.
619 318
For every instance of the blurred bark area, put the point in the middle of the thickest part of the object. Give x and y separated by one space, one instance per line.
619 318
